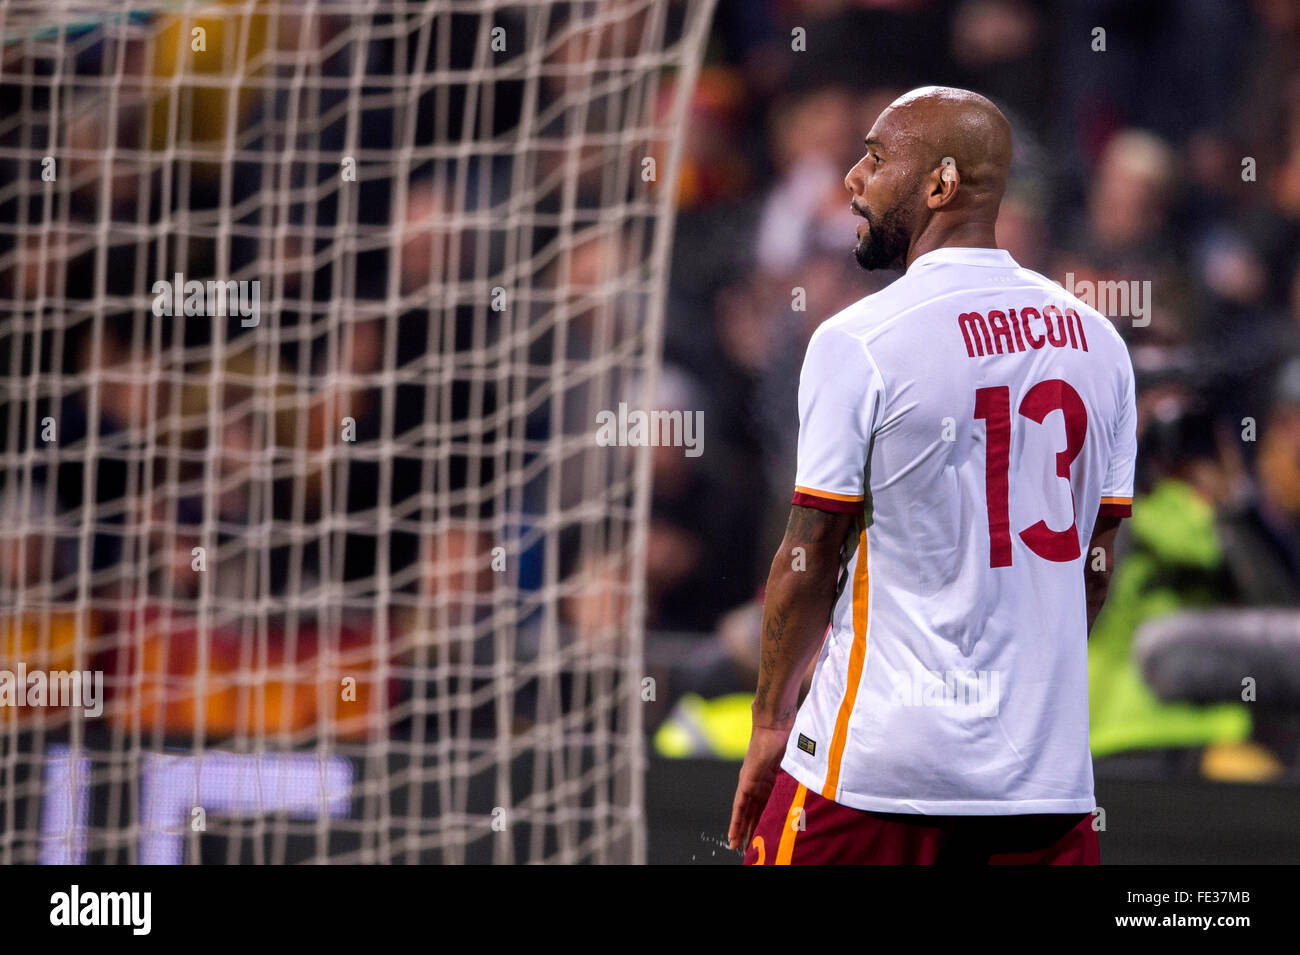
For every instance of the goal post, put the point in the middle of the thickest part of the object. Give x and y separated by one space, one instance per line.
309 309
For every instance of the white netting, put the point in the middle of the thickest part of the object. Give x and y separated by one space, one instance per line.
361 584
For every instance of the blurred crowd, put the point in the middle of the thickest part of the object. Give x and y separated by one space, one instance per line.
381 477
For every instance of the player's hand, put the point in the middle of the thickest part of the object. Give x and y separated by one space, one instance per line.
757 777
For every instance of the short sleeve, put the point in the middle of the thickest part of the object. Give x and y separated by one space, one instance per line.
1117 492
839 394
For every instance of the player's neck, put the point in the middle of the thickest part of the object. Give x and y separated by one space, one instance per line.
967 235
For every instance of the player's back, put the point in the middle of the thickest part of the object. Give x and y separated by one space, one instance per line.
995 418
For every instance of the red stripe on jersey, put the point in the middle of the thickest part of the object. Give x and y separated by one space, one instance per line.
804 499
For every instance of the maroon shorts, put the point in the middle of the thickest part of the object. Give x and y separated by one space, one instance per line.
799 827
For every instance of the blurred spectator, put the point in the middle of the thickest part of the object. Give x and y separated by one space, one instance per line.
1172 557
1278 508
38 614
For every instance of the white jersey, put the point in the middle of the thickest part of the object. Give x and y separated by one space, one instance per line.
978 418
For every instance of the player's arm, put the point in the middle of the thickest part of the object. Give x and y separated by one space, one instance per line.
1096 573
840 393
799 596
1116 496
797 608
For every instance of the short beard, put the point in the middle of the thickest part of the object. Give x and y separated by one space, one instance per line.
885 246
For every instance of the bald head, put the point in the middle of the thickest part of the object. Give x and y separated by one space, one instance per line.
946 122
934 174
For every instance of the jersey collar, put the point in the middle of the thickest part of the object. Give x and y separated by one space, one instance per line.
988 258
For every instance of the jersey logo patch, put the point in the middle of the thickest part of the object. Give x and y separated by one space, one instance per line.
809 746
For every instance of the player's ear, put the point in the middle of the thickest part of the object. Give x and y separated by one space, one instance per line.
943 183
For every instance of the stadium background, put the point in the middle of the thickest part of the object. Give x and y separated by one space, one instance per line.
1128 167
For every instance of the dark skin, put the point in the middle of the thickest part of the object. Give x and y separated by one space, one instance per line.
914 203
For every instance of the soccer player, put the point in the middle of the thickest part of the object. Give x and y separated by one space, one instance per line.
966 448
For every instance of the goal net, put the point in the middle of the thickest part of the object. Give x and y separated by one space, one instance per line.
309 550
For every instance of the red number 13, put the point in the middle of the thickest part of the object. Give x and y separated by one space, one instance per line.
994 406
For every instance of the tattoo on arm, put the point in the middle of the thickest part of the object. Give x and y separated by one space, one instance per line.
809 525
798 604
774 624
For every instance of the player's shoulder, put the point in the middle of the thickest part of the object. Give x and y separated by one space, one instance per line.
874 320
840 342
864 316
882 313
